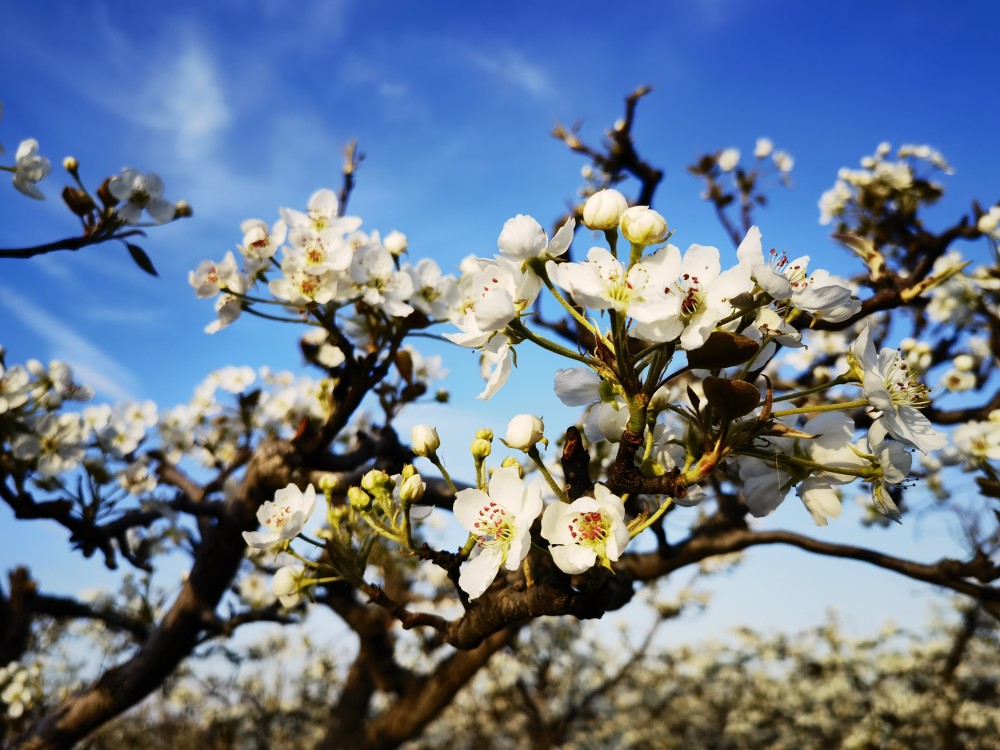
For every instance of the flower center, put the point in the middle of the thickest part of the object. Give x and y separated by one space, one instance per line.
589 528
691 293
494 522
903 385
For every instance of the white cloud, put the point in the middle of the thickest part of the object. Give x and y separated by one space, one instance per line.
90 365
513 68
186 98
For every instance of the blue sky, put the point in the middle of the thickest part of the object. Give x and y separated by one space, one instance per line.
243 106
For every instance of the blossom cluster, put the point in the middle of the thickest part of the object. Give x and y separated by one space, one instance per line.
884 181
325 261
19 688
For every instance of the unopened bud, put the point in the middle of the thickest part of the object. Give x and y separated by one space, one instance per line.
328 483
511 461
105 195
412 489
642 225
425 440
480 448
524 431
182 210
374 480
484 434
70 164
79 202
358 498
395 242
604 209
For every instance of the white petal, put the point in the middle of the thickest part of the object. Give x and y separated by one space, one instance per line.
480 571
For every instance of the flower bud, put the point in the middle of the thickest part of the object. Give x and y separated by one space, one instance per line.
358 498
70 164
523 431
642 225
480 448
328 483
425 440
78 201
395 242
511 461
484 434
412 489
374 480
728 159
604 209
182 210
286 584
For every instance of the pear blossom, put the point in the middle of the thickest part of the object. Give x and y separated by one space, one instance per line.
55 442
260 243
892 463
30 167
496 365
694 299
209 278
577 386
504 290
322 212
253 589
283 517
229 304
501 519
601 282
893 390
728 159
763 148
300 288
522 238
433 292
15 388
378 282
587 531
140 192
783 161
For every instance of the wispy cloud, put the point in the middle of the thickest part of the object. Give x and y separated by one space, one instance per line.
186 97
90 365
515 69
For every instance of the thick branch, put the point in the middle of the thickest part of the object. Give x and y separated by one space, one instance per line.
177 634
951 574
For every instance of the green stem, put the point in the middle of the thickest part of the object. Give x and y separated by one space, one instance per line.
535 456
266 316
636 530
539 269
805 463
521 331
822 407
310 540
839 380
